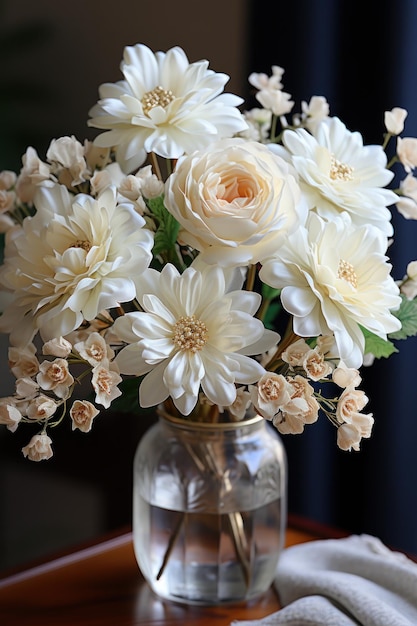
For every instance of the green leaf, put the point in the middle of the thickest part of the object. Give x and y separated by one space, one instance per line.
128 402
380 348
167 227
272 313
269 293
407 314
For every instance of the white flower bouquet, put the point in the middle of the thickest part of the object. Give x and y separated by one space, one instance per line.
217 258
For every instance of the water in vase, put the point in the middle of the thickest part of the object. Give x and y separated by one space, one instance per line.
205 557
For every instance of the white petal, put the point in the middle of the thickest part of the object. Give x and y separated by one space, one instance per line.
152 390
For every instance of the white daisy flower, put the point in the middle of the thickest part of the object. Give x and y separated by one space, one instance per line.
165 105
191 333
73 259
335 278
338 173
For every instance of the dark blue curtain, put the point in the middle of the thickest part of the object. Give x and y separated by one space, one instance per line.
364 63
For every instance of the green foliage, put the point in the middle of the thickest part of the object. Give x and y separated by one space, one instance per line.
128 402
407 314
272 313
380 348
269 293
167 228
272 306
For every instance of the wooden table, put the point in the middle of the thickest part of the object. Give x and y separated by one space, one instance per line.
100 585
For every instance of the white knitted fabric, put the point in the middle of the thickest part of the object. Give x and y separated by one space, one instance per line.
344 582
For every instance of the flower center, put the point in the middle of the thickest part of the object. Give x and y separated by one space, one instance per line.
158 97
82 243
347 273
104 381
271 389
56 373
190 333
340 171
96 352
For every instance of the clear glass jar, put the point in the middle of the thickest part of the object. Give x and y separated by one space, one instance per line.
209 509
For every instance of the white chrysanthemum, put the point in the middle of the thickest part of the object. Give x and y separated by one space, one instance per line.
165 105
338 173
335 278
191 334
74 258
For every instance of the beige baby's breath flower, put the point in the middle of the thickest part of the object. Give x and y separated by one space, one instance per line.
349 435
345 376
39 448
394 120
26 387
33 173
55 376
10 415
82 414
293 423
105 380
7 200
295 353
23 361
350 403
315 112
41 408
408 285
271 393
7 179
94 349
58 346
407 152
407 201
315 365
67 162
301 409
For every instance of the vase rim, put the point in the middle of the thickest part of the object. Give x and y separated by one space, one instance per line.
192 424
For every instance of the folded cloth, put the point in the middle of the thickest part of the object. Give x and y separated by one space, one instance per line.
344 582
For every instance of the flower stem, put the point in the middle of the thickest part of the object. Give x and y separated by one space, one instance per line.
286 341
250 279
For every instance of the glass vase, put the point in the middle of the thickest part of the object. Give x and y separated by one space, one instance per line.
209 509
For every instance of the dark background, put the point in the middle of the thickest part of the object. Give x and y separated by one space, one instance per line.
362 57
53 61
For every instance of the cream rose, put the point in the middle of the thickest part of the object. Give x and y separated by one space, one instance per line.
235 201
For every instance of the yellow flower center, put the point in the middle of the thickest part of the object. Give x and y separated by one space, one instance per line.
340 171
82 243
346 272
190 333
158 97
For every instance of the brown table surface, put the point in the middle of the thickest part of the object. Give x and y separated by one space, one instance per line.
100 585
